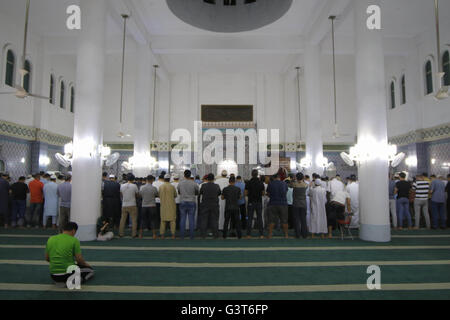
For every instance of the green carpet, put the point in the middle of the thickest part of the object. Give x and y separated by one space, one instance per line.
421 274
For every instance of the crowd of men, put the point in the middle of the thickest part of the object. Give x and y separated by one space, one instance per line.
310 205
228 204
421 197
35 201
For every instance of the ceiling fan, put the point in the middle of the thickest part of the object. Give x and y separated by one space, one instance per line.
336 134
122 134
20 92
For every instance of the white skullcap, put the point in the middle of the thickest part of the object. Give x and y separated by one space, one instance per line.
224 173
112 176
167 176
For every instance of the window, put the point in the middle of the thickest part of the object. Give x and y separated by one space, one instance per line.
403 90
72 99
446 68
61 96
27 76
227 113
10 64
392 95
428 78
52 89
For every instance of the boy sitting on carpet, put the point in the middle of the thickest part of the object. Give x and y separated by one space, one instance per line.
104 230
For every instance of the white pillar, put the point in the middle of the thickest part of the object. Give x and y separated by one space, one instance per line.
142 114
87 168
372 126
314 142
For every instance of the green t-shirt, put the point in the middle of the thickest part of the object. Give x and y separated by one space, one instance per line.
61 250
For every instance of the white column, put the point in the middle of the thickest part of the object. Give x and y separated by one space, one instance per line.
372 126
142 115
87 168
314 142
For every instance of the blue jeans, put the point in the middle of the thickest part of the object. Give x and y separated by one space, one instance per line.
255 206
438 213
187 209
403 211
19 208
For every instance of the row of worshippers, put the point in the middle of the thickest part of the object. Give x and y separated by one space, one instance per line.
34 200
219 202
421 197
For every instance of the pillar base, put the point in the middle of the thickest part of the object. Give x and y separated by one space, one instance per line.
87 233
375 233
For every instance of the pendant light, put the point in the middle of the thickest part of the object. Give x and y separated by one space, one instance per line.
121 133
299 103
336 134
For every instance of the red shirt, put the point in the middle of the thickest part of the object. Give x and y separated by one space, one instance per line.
36 191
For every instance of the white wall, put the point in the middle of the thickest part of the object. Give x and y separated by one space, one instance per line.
420 111
35 112
179 99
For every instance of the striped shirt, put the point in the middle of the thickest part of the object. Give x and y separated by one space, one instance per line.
422 188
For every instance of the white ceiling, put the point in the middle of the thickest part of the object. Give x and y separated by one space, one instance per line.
184 48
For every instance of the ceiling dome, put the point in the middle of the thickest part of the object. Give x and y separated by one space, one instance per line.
229 15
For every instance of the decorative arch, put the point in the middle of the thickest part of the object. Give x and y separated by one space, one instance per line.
52 87
428 75
62 93
392 93
72 97
28 76
403 99
9 63
446 67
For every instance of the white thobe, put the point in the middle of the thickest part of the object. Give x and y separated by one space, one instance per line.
158 184
318 211
308 208
353 190
334 186
223 183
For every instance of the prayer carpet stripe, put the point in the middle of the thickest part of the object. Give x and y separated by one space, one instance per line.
37 236
368 248
238 257
228 289
241 265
